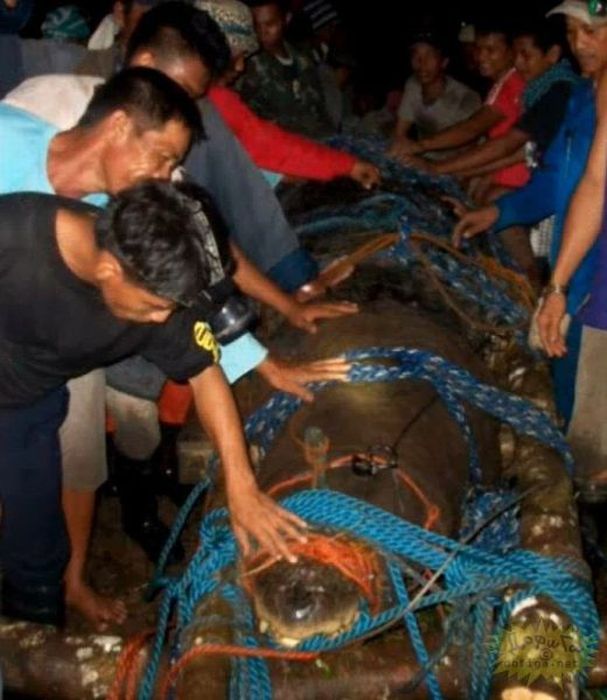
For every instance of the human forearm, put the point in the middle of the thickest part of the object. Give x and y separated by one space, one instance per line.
255 284
273 148
301 315
462 133
517 157
484 155
584 217
219 417
581 230
402 128
254 516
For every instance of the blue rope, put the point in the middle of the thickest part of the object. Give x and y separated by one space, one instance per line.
474 570
418 208
453 384
473 573
490 297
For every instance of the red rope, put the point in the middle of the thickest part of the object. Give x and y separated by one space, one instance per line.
127 667
433 512
230 650
354 560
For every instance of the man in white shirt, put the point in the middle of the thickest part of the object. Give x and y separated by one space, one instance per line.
432 100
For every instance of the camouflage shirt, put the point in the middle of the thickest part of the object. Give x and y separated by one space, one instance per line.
287 92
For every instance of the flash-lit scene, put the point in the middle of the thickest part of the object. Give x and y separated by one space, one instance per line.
303 316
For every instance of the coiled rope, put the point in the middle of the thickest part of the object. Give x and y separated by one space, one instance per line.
467 571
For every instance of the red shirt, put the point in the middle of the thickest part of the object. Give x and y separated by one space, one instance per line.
273 148
505 97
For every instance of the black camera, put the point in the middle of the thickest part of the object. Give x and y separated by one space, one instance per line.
228 313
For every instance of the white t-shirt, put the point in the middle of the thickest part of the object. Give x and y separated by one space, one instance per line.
58 99
456 103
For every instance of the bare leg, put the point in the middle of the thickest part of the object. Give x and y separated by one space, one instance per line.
79 508
82 437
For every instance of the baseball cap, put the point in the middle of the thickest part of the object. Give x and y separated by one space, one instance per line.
579 9
235 21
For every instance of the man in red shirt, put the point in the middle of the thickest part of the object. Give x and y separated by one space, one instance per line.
270 146
499 113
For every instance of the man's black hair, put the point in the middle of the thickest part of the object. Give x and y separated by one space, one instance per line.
495 25
128 4
160 233
177 30
281 4
433 37
148 96
545 32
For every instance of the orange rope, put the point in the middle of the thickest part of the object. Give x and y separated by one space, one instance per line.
127 667
354 560
433 512
231 650
519 284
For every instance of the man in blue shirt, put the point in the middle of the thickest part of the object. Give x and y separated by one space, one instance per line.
553 184
106 153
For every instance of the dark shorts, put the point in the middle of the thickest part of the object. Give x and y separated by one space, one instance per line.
34 547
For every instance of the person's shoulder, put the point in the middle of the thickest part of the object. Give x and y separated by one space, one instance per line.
514 81
560 91
57 99
302 54
99 62
18 208
460 89
14 119
508 90
259 67
412 89
583 91
31 201
259 61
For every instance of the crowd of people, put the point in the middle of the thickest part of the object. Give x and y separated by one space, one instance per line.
137 205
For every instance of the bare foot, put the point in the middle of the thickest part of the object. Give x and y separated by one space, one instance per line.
99 610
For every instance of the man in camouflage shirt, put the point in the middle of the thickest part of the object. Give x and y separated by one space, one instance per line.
281 82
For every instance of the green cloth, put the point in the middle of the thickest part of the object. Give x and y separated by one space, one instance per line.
289 95
65 23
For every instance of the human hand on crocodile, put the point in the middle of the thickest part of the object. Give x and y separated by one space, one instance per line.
292 377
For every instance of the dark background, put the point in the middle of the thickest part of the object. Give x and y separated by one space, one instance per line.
378 30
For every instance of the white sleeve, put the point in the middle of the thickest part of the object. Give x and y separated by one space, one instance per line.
59 100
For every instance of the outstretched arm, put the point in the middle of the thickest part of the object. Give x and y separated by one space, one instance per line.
462 133
513 159
485 154
256 285
255 517
274 148
582 227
